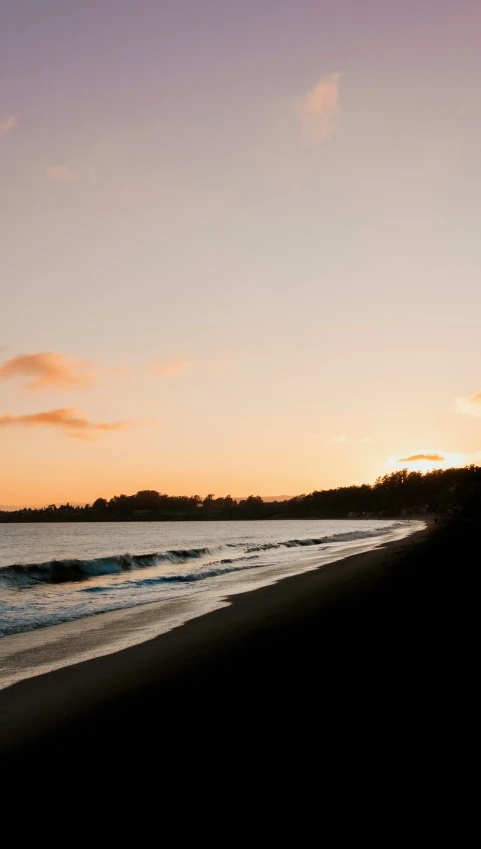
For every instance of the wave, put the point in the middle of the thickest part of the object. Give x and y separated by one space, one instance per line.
24 576
348 536
211 570
64 571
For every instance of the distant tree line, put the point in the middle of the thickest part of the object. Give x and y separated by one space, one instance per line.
401 493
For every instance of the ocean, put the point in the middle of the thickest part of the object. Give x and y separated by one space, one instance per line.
51 573
61 573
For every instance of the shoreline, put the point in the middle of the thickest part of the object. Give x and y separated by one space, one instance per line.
63 704
414 517
43 649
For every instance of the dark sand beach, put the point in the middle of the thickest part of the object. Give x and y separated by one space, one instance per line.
366 653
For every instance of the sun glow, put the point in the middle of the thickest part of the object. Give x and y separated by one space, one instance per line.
427 459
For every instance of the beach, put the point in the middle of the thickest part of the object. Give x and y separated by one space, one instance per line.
360 639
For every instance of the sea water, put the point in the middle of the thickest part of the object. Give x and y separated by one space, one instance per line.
61 572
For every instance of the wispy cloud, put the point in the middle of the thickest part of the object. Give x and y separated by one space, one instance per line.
438 458
168 367
8 124
367 439
320 109
92 178
61 173
337 440
427 459
296 127
471 406
49 370
73 422
64 174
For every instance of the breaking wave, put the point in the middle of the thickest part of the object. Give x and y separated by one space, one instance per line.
210 570
349 536
24 576
64 571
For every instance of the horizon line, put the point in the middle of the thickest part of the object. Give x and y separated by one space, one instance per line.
266 498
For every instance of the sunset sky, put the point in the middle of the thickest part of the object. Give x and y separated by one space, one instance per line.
239 243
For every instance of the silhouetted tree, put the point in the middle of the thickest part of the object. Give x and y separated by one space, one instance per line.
402 493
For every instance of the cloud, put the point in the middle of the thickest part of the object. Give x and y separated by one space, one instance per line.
338 439
8 124
428 459
72 421
48 370
471 406
64 174
438 458
367 439
92 178
165 367
61 173
289 147
320 109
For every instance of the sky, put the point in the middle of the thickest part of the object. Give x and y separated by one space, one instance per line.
239 244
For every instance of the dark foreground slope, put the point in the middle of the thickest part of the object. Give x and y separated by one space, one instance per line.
370 657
